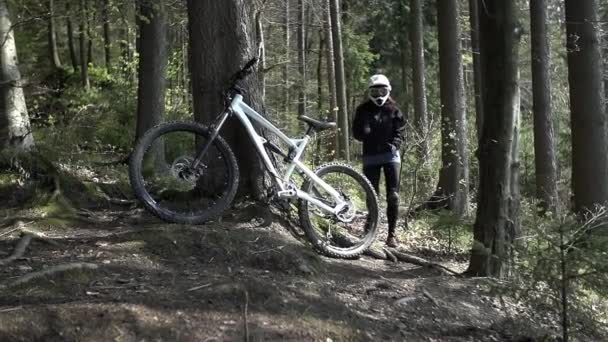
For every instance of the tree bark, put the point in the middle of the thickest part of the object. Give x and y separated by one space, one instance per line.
15 129
496 224
544 145
84 65
477 79
107 36
405 78
259 14
70 31
301 58
152 66
454 173
320 74
605 20
587 111
52 36
222 41
90 18
334 147
336 30
418 78
287 39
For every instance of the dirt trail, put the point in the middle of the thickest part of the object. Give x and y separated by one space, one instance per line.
232 281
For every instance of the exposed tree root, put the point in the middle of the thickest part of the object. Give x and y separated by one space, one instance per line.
393 254
23 243
51 271
19 249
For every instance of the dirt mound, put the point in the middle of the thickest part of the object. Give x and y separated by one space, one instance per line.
233 281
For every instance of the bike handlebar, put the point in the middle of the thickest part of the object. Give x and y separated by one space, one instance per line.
247 69
234 88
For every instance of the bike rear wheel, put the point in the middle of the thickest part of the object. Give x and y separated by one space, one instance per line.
351 234
169 184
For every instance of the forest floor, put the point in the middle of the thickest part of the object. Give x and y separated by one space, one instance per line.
144 280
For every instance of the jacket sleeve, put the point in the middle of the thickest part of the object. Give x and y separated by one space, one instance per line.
399 129
359 125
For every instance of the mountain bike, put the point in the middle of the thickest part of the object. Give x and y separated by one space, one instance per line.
184 172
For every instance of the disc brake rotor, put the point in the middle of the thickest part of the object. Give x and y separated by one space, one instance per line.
182 169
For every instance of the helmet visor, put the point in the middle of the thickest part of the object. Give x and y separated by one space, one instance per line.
378 91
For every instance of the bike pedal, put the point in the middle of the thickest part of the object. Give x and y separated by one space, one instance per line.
287 194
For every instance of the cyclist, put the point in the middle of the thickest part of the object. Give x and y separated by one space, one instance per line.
380 126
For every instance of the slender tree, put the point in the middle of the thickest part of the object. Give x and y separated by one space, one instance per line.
418 76
496 224
588 117
84 65
287 40
222 39
544 145
301 58
52 36
336 30
15 129
107 36
261 43
90 15
70 32
454 173
477 79
320 95
152 65
331 77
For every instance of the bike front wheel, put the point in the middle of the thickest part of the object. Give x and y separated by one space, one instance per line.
353 230
176 183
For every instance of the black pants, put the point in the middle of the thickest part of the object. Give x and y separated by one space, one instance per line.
391 178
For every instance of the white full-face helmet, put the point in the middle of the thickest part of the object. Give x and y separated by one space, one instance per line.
379 89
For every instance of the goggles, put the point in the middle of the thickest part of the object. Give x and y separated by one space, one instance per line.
378 91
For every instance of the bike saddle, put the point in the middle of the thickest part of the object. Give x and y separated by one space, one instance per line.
316 124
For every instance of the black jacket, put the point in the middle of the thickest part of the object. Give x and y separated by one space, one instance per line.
381 129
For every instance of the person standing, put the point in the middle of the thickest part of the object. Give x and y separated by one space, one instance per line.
380 126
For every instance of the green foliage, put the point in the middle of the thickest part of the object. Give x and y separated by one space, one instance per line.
357 59
97 120
441 232
561 267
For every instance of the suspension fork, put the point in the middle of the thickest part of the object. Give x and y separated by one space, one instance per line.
215 131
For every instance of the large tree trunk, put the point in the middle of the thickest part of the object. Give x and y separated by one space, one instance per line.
70 31
477 79
152 66
336 31
605 20
418 79
301 58
588 117
331 79
222 40
84 65
15 129
454 174
107 39
52 36
544 146
496 224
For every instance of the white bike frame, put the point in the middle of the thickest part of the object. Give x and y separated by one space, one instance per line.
244 113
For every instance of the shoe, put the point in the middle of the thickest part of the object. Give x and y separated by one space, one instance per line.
392 242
